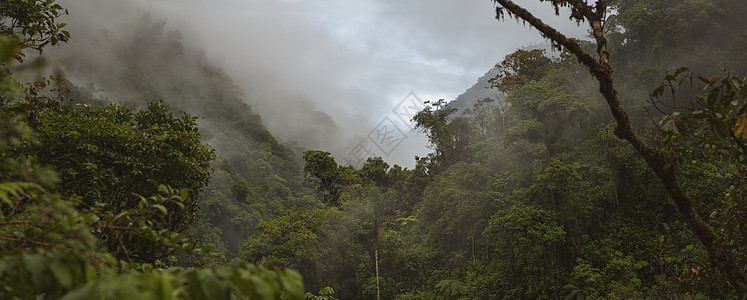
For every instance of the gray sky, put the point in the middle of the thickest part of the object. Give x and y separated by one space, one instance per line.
353 60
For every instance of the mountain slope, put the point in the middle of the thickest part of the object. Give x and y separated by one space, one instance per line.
476 92
255 176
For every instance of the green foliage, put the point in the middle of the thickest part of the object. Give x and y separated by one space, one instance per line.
519 68
526 236
324 294
321 166
288 240
449 136
705 137
565 210
375 170
450 289
312 242
521 198
255 176
243 280
710 126
572 214
48 247
457 205
547 111
588 281
68 275
109 156
684 32
51 242
32 24
527 227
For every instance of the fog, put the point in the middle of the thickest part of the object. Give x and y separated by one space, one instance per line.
324 74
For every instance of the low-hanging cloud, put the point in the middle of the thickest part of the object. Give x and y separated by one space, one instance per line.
324 73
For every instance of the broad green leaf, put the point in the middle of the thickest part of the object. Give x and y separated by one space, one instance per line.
161 208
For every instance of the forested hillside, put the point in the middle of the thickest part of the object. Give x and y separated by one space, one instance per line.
126 193
254 176
147 176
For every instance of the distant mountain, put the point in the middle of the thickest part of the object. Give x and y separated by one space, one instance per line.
476 92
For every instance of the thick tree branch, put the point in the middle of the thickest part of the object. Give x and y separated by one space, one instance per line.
602 71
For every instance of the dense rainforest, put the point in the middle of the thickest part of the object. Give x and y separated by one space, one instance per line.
147 176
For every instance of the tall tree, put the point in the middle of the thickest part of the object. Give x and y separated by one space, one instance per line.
449 136
601 68
321 166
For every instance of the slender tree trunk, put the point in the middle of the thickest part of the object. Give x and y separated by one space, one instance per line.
473 250
602 71
376 258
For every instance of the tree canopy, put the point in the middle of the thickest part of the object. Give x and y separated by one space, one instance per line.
572 180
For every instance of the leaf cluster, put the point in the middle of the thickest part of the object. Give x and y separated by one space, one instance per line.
33 24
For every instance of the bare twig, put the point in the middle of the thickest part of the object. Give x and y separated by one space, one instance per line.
22 222
28 241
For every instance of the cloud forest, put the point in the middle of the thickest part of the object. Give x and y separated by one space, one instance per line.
607 162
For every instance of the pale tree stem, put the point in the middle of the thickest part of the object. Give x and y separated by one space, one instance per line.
376 257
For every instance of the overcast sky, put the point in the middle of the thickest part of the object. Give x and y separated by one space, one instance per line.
354 60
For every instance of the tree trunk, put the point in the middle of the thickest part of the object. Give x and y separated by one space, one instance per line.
376 259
